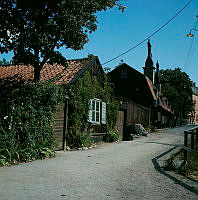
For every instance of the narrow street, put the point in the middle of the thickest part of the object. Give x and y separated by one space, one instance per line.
124 170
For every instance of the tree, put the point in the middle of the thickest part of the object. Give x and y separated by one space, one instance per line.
34 30
177 87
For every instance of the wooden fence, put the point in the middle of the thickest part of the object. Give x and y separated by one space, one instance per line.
193 133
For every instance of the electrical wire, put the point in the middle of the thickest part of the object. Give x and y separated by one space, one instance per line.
151 35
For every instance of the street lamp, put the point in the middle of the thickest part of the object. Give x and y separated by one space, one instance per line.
193 29
190 33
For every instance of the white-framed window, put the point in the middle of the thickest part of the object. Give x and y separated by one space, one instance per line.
97 111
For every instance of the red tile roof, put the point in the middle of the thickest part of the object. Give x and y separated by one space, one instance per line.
58 73
151 87
162 103
24 72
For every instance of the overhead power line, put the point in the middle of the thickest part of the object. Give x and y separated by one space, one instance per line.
151 35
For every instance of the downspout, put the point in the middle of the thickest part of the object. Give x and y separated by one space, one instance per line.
65 126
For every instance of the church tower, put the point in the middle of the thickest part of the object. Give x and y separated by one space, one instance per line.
149 70
157 78
157 81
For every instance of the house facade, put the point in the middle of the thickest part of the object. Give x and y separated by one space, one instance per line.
139 95
193 117
70 74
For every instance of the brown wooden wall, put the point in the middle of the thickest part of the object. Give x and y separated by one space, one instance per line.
59 128
120 123
135 113
132 113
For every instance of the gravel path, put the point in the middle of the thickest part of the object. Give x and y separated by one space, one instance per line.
124 170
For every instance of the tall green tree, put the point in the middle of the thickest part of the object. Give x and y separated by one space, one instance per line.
35 29
177 87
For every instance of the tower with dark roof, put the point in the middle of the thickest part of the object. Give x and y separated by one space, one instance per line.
149 69
157 78
157 81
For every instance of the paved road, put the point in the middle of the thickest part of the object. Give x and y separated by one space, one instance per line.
125 170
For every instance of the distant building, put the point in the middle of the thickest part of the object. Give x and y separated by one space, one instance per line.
194 114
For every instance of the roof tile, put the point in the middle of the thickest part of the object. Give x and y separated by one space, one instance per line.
58 73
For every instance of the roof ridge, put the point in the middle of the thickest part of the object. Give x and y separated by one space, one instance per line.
13 65
78 59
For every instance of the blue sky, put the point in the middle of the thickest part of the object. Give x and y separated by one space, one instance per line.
119 31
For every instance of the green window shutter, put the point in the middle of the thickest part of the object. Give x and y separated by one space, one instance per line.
90 111
103 114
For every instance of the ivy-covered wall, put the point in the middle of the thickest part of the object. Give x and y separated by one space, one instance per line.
88 87
27 115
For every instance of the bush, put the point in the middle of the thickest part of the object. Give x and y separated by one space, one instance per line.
79 139
111 136
26 120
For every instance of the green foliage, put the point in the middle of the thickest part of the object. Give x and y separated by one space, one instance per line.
84 90
176 86
111 136
4 62
26 120
81 139
192 162
34 29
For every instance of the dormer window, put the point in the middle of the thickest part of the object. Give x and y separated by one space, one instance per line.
124 73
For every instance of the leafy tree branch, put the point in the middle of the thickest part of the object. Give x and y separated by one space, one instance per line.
34 29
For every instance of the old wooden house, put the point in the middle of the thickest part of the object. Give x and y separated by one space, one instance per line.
139 96
68 74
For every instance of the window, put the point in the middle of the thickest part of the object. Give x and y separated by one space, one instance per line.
124 73
97 111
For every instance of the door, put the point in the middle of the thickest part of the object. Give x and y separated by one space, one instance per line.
120 123
59 128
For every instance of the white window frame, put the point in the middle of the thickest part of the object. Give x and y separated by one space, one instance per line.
97 111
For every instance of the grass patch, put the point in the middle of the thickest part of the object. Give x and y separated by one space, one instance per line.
192 163
189 168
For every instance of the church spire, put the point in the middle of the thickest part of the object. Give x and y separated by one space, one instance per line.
149 61
157 78
149 48
149 70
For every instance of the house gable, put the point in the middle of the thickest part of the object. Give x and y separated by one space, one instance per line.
130 83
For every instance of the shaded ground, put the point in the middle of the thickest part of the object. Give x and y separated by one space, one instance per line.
192 169
125 170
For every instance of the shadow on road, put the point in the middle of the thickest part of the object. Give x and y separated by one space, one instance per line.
165 173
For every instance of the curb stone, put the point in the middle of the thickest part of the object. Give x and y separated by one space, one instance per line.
165 160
